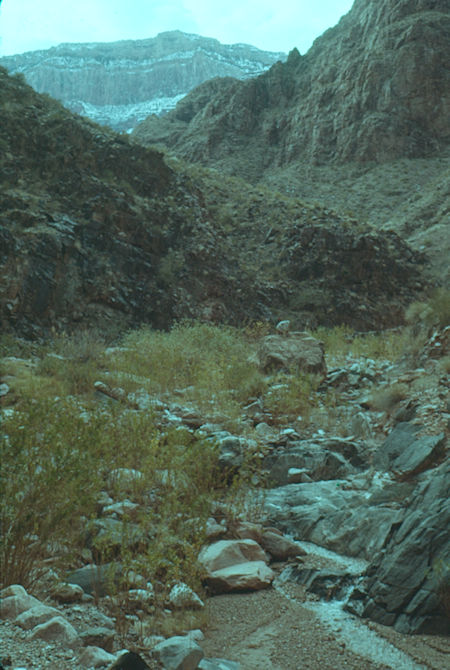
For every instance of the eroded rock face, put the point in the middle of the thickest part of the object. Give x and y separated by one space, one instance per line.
399 522
373 88
407 583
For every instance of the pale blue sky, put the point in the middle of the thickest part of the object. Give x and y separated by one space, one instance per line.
274 25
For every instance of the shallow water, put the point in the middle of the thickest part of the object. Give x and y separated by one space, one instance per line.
357 636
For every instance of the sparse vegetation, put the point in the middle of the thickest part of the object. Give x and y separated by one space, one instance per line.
59 445
56 458
386 398
210 364
435 312
292 396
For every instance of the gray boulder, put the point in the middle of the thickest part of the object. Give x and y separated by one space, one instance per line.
178 653
292 351
406 452
235 565
332 514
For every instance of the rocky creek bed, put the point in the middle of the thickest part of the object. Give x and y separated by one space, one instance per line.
341 561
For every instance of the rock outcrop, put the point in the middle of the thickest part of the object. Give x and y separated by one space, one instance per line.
375 87
121 83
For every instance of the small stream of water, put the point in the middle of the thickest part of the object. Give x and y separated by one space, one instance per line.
356 635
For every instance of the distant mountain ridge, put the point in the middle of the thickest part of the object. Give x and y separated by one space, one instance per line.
121 83
375 87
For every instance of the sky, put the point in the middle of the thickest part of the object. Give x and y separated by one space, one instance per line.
272 25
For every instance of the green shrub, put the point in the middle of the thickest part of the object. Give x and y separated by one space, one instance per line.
342 341
291 395
56 458
48 480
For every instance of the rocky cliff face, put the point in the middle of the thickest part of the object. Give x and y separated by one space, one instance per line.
121 83
98 231
376 87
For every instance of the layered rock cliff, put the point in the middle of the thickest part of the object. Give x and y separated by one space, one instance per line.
121 83
375 87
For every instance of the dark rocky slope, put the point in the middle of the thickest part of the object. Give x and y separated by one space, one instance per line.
97 231
121 83
89 225
376 87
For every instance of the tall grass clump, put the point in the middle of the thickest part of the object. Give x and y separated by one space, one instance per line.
47 480
211 363
341 342
73 362
292 396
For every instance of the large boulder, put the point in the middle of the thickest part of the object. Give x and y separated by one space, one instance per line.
235 565
292 351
